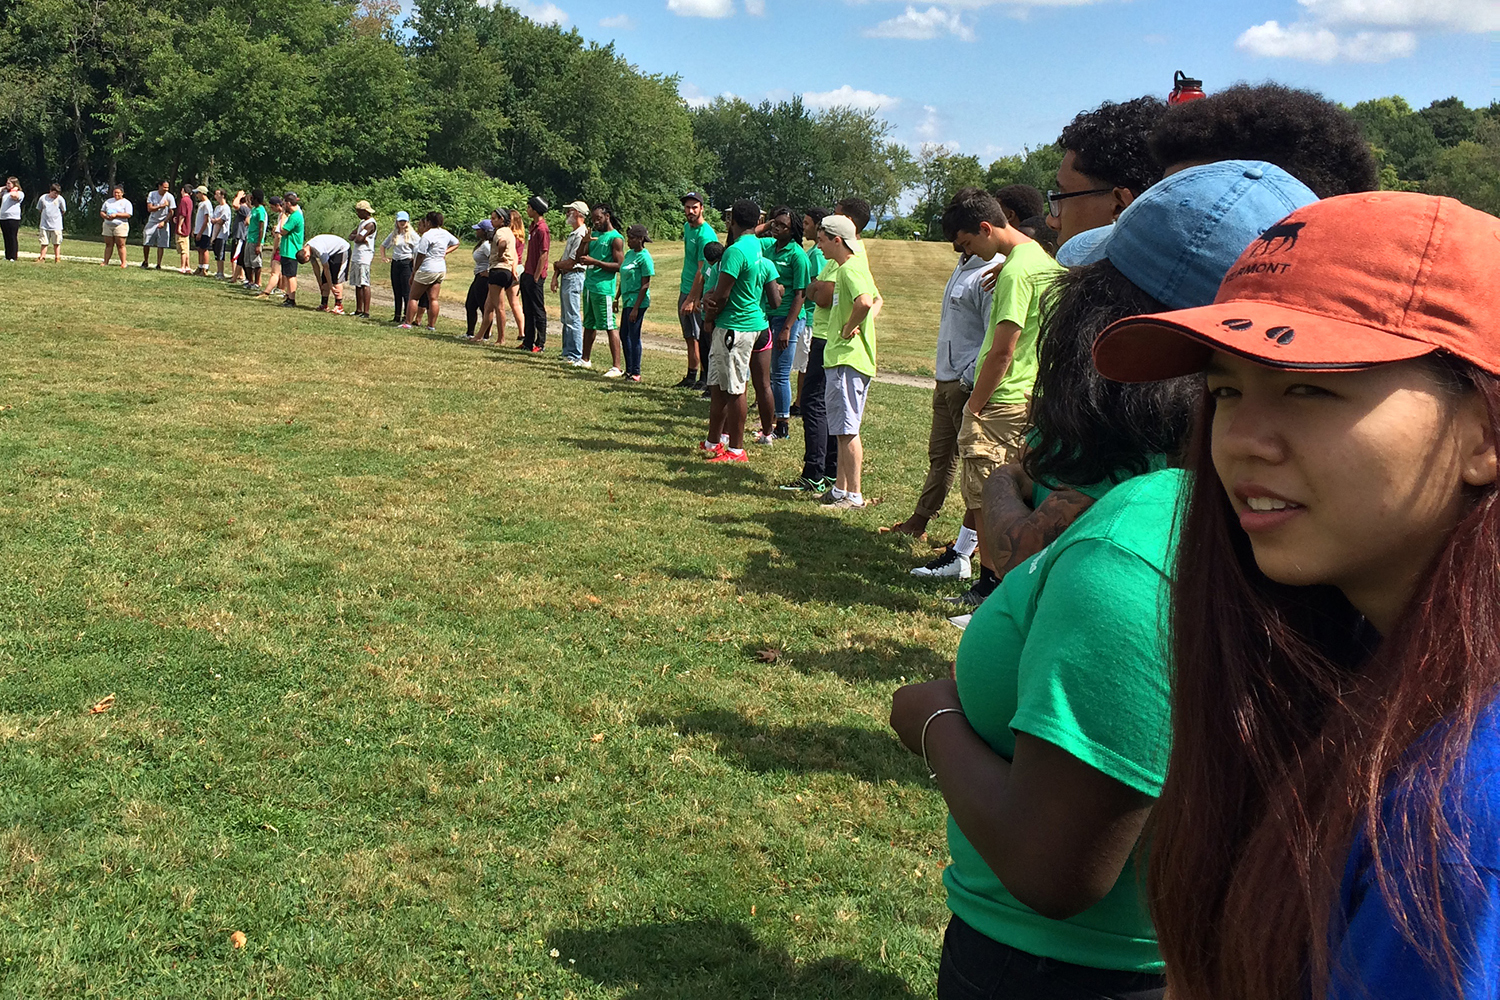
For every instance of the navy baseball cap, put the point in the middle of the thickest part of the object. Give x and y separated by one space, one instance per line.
1181 236
693 196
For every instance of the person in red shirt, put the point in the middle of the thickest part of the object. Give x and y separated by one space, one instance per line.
182 226
533 278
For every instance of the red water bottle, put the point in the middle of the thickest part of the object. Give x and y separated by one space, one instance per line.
1185 89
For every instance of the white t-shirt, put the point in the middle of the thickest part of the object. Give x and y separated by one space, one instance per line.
52 210
364 253
10 204
399 246
200 220
327 245
482 258
432 250
161 207
220 217
115 206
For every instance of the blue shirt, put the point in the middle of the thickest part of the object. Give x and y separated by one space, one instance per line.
1369 956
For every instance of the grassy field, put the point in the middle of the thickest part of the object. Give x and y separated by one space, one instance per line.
911 277
438 672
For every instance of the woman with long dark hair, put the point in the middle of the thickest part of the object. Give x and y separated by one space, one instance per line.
1331 822
1050 742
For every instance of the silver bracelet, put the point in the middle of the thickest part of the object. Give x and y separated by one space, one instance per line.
942 711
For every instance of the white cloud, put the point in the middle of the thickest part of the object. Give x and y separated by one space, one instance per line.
1312 43
847 97
927 129
919 25
620 21
1449 15
694 97
756 8
541 13
701 8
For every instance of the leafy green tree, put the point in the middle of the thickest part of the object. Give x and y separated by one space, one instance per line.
1037 167
943 174
1470 170
1401 139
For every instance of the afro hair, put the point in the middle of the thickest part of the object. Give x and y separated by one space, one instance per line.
1109 142
1311 138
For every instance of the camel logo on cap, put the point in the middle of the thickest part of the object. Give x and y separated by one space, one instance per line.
1280 237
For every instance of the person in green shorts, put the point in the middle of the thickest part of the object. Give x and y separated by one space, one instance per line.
605 254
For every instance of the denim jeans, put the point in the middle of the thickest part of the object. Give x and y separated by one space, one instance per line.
570 287
974 967
781 363
630 339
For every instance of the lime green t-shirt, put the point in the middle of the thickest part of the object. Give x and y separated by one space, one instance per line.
637 265
597 279
1017 299
1072 649
828 272
858 352
744 311
815 264
792 271
694 239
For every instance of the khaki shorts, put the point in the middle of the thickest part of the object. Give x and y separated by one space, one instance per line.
994 438
51 237
729 366
182 243
116 228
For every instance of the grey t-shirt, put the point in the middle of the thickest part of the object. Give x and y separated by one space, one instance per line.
965 319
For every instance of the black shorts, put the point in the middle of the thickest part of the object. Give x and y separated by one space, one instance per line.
333 268
289 266
218 248
203 242
502 277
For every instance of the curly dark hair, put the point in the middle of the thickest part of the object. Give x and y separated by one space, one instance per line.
1308 136
1023 199
1109 142
1090 430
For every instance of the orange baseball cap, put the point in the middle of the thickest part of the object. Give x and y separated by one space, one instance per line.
1341 284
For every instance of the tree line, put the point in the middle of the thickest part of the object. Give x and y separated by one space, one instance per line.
337 92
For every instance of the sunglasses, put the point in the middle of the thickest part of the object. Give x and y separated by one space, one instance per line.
1053 197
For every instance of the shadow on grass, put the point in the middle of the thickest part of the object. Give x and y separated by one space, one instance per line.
860 753
877 660
694 959
826 557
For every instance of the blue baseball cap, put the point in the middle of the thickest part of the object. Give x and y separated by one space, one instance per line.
1085 248
485 226
402 217
1181 236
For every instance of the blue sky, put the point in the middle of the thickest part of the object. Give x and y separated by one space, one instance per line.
988 77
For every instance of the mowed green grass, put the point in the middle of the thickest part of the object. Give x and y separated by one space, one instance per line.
437 672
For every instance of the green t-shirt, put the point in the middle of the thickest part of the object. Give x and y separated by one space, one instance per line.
744 311
815 263
694 239
828 272
1071 649
792 271
291 234
638 264
255 231
858 352
597 279
1017 299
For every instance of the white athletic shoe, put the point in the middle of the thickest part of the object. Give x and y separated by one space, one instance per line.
950 566
580 363
960 622
613 373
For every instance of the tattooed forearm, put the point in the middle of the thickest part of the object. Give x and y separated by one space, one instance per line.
1027 537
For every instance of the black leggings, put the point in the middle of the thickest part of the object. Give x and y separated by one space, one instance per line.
401 272
975 967
10 227
479 290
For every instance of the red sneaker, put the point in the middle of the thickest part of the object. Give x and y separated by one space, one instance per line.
725 455
712 452
536 350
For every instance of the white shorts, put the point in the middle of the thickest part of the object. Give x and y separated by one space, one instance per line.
118 227
51 237
159 235
844 398
729 364
359 275
804 348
